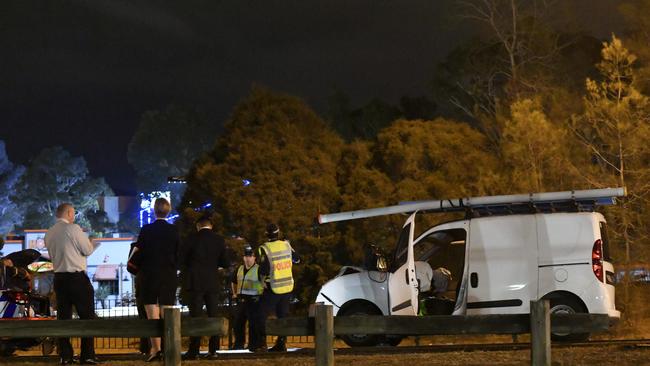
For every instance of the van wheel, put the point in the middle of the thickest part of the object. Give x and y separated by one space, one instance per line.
361 340
566 305
394 340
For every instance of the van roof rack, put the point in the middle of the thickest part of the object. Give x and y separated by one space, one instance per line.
564 201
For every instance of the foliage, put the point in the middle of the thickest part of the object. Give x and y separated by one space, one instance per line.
439 158
11 213
409 160
615 129
98 220
366 121
54 177
165 144
637 16
289 156
520 55
535 150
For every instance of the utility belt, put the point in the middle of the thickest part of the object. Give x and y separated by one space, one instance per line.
247 298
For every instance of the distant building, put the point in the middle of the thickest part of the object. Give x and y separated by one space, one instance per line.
119 207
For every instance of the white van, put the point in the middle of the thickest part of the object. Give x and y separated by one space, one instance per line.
498 264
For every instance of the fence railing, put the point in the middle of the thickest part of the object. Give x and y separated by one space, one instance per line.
538 323
170 328
324 327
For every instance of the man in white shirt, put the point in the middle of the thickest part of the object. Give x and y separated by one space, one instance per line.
69 247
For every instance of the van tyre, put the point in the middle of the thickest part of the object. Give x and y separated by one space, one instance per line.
361 340
567 305
394 340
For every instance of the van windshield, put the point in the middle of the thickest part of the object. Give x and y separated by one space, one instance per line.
605 240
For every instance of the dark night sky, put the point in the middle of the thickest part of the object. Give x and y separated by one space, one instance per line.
80 73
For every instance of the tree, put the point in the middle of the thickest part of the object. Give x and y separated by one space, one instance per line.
522 35
54 177
637 16
535 150
165 144
275 162
410 160
98 220
436 159
11 214
615 129
364 122
519 55
362 186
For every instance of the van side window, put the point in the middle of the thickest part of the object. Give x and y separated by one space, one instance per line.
401 249
605 239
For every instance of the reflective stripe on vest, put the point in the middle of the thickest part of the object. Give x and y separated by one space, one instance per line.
249 283
279 255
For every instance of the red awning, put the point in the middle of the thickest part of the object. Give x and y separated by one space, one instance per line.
106 272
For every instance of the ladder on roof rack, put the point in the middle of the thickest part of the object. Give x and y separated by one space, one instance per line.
582 200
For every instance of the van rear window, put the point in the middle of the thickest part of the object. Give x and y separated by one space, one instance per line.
605 239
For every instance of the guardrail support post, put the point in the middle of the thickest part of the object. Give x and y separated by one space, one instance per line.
324 335
172 336
540 333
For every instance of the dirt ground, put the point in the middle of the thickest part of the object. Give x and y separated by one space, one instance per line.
618 356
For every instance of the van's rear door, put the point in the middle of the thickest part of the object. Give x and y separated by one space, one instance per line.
402 283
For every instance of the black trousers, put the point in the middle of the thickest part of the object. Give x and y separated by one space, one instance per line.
145 343
211 300
74 289
272 303
247 309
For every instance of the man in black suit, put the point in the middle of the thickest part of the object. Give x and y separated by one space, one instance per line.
201 259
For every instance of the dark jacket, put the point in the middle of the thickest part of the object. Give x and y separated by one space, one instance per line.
158 244
201 258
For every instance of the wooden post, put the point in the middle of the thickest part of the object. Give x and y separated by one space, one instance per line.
324 335
540 333
172 336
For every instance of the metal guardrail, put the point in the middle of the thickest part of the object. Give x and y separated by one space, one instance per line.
538 323
323 326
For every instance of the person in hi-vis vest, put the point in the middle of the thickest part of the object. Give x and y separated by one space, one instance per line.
246 291
276 261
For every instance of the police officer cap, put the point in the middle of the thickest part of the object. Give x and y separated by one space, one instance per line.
248 250
272 230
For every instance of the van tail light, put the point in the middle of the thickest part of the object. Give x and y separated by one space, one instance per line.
597 259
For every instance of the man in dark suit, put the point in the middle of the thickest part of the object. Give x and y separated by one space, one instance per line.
201 259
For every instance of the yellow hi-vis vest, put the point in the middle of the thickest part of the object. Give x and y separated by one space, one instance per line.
279 255
249 283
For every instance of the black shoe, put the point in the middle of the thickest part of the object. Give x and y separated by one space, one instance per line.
279 347
189 356
90 361
154 357
260 349
66 361
211 356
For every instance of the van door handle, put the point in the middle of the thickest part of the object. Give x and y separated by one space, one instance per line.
473 279
406 272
